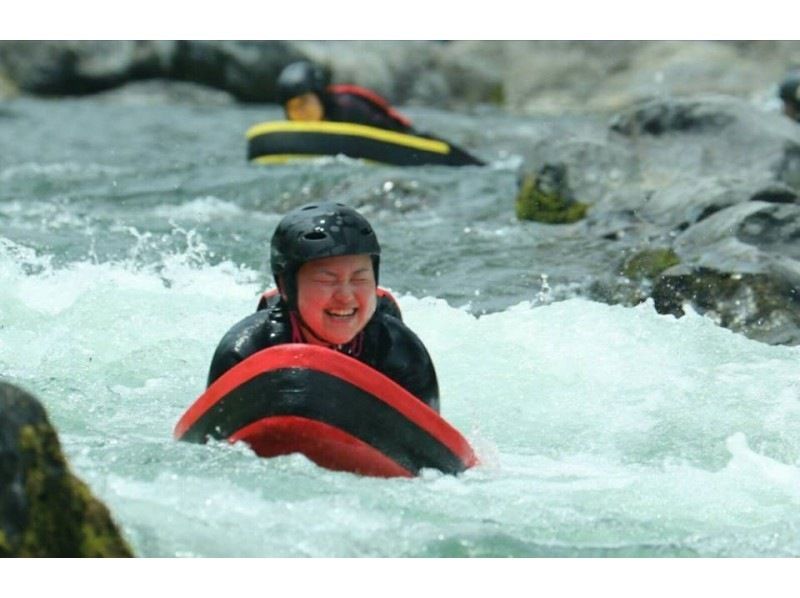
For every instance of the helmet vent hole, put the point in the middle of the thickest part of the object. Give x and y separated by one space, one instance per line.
315 236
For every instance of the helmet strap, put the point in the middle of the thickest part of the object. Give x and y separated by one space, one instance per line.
280 283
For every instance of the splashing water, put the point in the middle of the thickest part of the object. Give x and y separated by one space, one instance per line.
602 430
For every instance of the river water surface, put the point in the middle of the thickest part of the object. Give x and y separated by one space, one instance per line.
132 236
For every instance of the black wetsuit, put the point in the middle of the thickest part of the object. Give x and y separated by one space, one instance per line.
342 105
387 345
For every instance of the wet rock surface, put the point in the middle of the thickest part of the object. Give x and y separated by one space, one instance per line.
697 197
45 510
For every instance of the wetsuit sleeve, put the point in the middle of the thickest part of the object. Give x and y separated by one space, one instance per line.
404 359
257 331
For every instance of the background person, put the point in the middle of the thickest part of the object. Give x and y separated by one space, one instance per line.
306 95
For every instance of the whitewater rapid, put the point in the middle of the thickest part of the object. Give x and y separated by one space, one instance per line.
602 430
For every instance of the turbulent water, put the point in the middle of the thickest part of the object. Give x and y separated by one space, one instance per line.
132 236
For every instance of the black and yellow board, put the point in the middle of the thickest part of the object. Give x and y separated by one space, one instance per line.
334 409
280 141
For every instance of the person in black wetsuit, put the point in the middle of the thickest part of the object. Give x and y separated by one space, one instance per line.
305 94
325 259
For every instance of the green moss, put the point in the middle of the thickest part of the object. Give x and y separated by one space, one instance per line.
8 88
533 204
649 264
5 547
64 519
497 95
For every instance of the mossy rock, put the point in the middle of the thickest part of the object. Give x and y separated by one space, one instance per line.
551 208
45 511
763 307
8 89
497 95
649 264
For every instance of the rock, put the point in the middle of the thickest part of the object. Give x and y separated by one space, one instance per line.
788 168
8 89
649 264
705 136
603 76
659 117
391 68
45 511
546 197
473 72
163 91
762 307
247 70
708 182
80 67
740 266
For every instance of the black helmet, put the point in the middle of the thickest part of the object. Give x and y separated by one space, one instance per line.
299 78
315 231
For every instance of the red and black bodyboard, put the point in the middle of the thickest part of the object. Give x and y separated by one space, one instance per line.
337 411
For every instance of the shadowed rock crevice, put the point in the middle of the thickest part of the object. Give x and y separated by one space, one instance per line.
658 117
776 194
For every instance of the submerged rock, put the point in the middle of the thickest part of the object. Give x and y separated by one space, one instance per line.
763 307
658 117
741 267
546 197
45 511
649 263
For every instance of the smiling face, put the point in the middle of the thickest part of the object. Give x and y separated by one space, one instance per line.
336 297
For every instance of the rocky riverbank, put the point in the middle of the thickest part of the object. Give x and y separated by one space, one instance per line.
523 77
700 196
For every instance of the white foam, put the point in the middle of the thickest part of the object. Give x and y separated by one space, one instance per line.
597 425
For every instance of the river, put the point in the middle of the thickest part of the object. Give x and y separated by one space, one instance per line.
133 235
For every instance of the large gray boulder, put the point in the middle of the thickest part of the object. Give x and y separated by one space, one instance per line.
693 202
81 67
45 511
247 70
603 76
